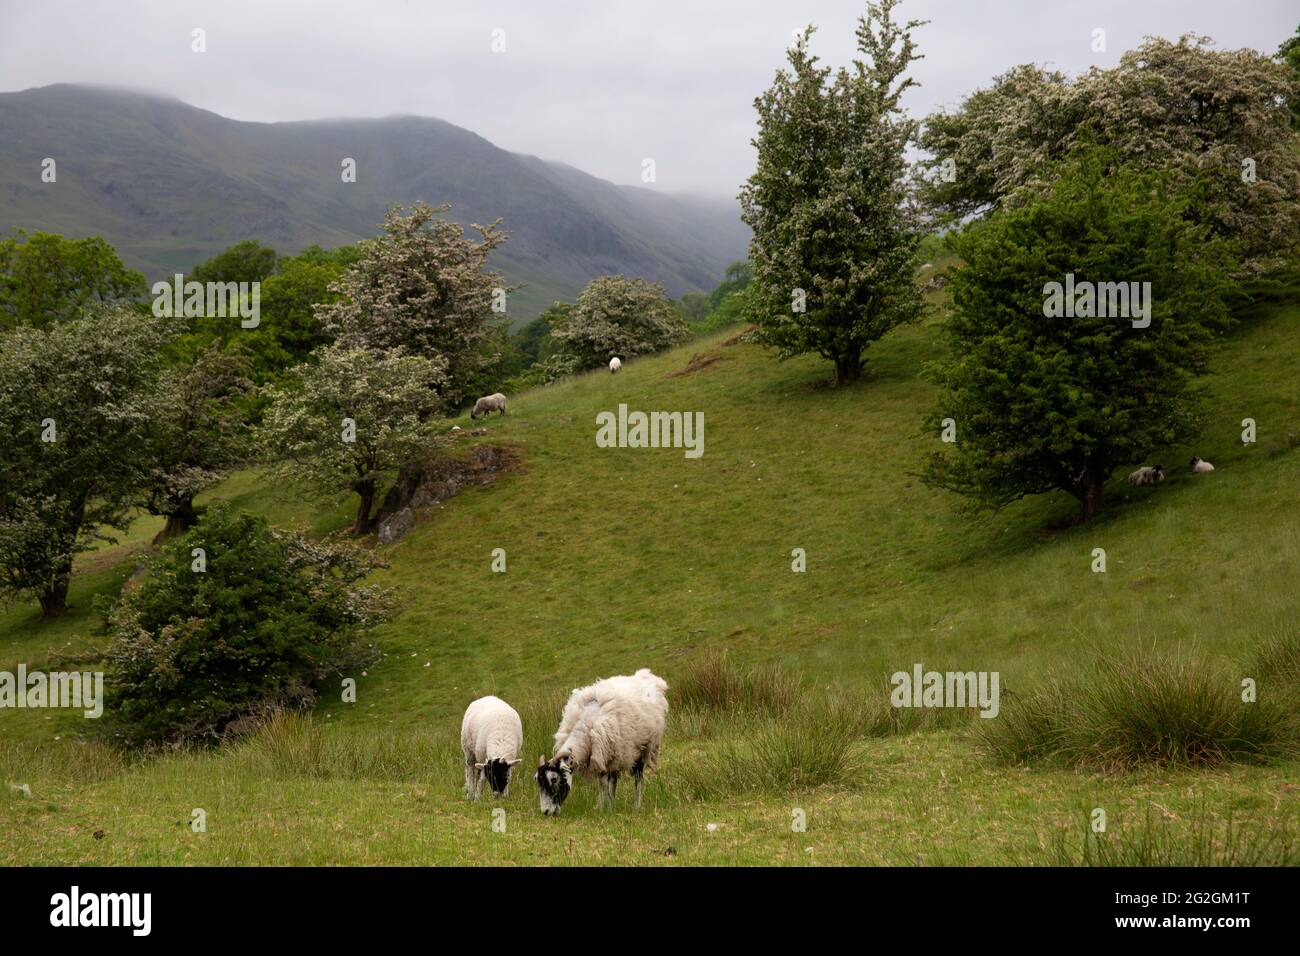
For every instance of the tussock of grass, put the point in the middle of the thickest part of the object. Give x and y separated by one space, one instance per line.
1143 709
1277 660
1202 841
810 745
290 744
25 762
715 685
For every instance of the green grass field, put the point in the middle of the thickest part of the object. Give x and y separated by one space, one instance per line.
627 558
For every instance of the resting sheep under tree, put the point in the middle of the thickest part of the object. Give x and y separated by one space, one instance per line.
614 726
1200 466
491 736
1149 475
496 402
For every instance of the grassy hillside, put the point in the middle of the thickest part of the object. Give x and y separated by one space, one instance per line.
625 558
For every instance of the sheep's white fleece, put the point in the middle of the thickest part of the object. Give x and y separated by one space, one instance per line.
491 730
609 726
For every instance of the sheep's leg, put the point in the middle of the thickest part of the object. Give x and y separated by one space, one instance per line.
479 777
638 775
609 785
470 774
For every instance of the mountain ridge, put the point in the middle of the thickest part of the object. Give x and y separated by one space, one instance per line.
170 184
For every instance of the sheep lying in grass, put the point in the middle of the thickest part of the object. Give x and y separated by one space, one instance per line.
491 736
496 402
614 726
1148 475
1200 466
615 364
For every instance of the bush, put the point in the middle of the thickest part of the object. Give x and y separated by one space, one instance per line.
615 315
1145 709
268 620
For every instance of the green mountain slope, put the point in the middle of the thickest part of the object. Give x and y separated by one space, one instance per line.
625 558
169 185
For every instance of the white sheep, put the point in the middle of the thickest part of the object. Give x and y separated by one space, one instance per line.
1200 466
1148 475
615 364
614 726
496 402
491 736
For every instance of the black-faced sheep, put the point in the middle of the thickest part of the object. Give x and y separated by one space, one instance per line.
1148 475
615 364
1200 466
496 402
491 736
614 726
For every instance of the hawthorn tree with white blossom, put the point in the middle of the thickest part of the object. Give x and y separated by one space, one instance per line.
422 288
351 420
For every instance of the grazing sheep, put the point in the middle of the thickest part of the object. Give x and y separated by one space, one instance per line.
614 726
615 364
1148 475
491 736
496 402
1200 466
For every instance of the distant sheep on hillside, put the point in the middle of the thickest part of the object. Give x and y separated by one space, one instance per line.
495 402
491 736
614 726
1148 475
615 364
1200 466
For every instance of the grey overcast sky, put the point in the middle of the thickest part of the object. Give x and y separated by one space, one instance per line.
599 85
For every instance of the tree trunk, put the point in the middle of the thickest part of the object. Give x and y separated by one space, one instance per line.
364 523
185 516
55 599
1089 496
848 366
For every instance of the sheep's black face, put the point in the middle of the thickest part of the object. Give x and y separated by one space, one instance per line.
498 776
554 780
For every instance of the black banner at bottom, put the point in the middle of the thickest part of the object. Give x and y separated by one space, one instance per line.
332 905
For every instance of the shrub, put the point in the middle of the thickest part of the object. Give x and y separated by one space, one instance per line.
615 315
1149 708
259 629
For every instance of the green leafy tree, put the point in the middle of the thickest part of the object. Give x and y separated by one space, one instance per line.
617 316
1041 402
424 289
198 433
45 278
246 261
1289 54
834 230
1221 118
77 401
352 420
736 278
266 621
